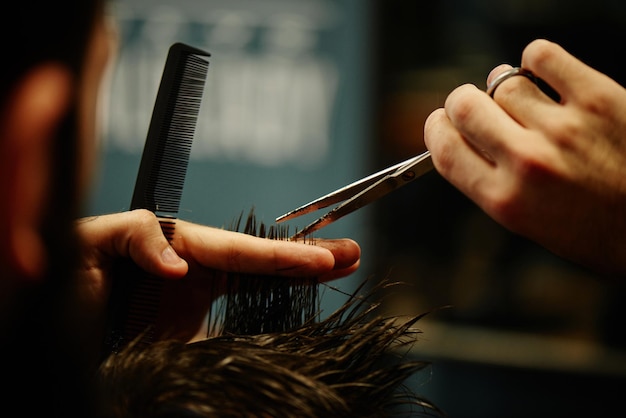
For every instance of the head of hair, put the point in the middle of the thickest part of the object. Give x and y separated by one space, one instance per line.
271 355
350 364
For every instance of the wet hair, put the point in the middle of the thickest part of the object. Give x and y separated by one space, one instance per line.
253 304
352 363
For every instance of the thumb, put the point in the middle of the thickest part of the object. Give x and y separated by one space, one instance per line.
151 251
136 235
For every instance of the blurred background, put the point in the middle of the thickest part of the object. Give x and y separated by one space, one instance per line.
305 96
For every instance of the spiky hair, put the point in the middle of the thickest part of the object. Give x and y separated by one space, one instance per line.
351 364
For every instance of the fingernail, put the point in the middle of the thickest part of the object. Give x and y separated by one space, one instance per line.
169 256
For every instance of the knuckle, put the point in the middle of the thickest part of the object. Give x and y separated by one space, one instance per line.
530 167
597 101
565 132
444 158
461 104
537 52
144 224
432 122
144 218
504 206
507 203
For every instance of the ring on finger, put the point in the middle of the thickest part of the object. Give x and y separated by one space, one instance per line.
515 71
543 86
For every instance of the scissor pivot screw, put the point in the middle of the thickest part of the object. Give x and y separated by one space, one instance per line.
408 176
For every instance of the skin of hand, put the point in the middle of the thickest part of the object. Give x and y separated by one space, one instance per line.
552 172
195 254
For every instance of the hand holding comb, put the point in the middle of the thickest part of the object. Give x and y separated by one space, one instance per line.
135 296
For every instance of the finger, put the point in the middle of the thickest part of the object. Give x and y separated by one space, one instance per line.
497 71
481 122
136 235
339 273
237 252
562 71
510 79
345 251
522 98
454 158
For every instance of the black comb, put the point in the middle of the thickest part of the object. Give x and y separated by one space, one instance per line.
135 298
165 156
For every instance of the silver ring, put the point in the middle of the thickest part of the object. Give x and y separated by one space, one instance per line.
491 88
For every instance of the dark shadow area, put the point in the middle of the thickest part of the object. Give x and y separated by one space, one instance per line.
450 252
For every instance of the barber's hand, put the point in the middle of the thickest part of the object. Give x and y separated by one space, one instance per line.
553 172
196 253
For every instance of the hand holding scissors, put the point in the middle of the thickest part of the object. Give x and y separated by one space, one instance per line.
371 188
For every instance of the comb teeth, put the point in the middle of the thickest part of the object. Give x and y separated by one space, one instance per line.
165 156
135 299
144 306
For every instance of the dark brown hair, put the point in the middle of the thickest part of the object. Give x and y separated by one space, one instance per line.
350 364
273 357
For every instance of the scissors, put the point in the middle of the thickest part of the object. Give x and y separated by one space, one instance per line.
371 188
362 192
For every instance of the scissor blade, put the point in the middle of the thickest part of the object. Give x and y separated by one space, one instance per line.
343 193
408 172
372 193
